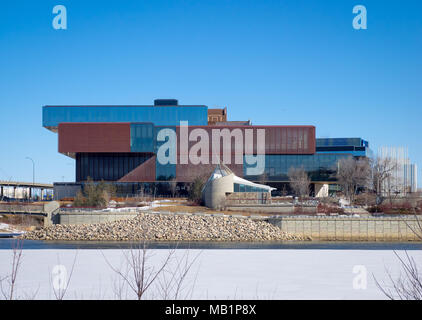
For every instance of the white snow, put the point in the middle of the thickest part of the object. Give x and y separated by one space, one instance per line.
220 274
148 206
6 228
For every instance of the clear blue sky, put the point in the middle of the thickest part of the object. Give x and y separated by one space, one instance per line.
274 62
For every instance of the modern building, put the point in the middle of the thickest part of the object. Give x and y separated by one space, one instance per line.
142 146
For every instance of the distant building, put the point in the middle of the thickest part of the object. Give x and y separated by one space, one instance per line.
217 115
413 177
403 179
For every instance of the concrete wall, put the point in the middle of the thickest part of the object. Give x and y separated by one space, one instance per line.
351 229
214 193
51 209
272 208
72 218
248 198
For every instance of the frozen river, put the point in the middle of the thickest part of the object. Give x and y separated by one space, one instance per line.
290 273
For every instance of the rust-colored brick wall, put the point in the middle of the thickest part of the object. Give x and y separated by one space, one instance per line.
94 137
278 139
143 173
188 172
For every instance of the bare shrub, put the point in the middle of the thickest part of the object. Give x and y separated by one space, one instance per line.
329 208
365 199
173 282
195 190
139 275
8 282
94 194
408 286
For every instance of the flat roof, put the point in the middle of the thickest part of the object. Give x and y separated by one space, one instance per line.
124 105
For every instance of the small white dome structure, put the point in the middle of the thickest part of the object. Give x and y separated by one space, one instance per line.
223 181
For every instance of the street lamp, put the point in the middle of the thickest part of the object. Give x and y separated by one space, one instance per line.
33 171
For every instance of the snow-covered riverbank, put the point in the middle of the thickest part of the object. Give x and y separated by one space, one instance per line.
218 274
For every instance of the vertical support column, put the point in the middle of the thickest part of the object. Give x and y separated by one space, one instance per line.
14 192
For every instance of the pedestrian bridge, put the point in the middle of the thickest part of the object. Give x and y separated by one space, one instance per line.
20 190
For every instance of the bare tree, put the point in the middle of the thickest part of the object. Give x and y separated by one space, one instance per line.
383 179
351 174
9 291
299 181
408 286
120 289
173 282
138 274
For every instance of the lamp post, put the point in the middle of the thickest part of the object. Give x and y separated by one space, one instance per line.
33 172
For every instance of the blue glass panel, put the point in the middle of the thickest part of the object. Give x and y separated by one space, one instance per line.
142 137
320 167
333 142
352 153
160 116
163 172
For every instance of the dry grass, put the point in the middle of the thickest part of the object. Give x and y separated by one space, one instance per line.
186 208
21 222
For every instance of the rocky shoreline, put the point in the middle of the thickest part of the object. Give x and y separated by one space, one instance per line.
160 227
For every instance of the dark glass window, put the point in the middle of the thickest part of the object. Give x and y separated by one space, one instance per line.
107 166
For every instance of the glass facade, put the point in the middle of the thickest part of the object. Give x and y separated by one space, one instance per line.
320 167
245 188
164 172
142 137
107 166
158 115
355 153
341 142
356 147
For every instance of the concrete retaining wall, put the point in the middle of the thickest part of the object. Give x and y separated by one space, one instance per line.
351 229
93 217
272 208
247 198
